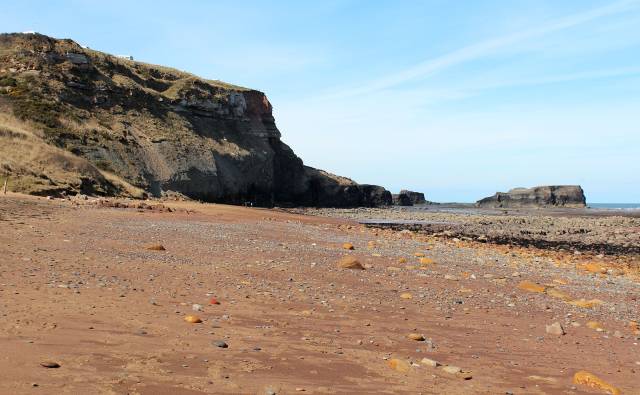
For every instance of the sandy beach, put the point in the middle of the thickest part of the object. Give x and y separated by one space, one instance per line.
82 290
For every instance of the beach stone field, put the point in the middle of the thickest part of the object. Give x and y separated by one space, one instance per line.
108 296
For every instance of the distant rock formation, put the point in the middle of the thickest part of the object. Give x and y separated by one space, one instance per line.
107 125
571 196
401 199
415 197
408 198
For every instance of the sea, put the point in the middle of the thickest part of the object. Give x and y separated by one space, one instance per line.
615 206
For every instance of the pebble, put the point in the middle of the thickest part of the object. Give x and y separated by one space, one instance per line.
50 364
156 247
430 362
451 369
416 337
555 329
348 246
350 262
595 325
193 319
220 344
398 365
591 380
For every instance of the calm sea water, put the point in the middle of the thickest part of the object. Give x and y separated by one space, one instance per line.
618 206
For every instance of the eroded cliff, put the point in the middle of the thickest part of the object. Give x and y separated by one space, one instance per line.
135 128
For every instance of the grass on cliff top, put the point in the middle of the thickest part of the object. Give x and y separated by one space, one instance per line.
175 75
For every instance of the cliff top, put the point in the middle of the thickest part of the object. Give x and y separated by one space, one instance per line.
171 79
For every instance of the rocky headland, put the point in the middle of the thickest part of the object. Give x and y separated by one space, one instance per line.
409 198
74 120
570 196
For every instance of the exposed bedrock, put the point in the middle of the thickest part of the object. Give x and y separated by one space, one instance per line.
542 196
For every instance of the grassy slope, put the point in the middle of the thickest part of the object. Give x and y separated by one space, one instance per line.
33 119
38 168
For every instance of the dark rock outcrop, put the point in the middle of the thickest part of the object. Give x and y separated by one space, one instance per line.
571 196
158 129
408 198
375 196
401 199
415 197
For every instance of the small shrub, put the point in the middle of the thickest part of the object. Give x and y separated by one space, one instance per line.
39 111
104 165
8 81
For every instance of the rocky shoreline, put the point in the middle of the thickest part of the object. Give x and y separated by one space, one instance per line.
570 230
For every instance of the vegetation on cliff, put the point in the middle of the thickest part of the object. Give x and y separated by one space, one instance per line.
77 120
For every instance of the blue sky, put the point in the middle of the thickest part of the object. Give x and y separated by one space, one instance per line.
458 99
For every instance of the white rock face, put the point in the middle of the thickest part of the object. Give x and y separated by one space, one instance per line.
238 103
77 58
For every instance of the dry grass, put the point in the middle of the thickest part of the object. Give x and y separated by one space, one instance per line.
51 144
35 167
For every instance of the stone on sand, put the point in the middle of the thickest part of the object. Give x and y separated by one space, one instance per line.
415 336
220 344
426 261
430 362
156 247
555 329
591 380
399 365
531 287
350 262
451 369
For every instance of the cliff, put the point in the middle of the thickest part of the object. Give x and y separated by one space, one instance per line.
408 198
77 120
571 196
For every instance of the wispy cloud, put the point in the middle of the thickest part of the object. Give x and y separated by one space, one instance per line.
474 89
481 49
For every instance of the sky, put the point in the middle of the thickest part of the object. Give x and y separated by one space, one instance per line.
457 99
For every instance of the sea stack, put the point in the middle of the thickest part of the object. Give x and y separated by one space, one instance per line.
569 196
408 198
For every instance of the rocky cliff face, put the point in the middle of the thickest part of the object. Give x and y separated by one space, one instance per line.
415 197
150 128
571 196
408 198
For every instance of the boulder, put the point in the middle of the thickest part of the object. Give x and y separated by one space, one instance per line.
571 196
